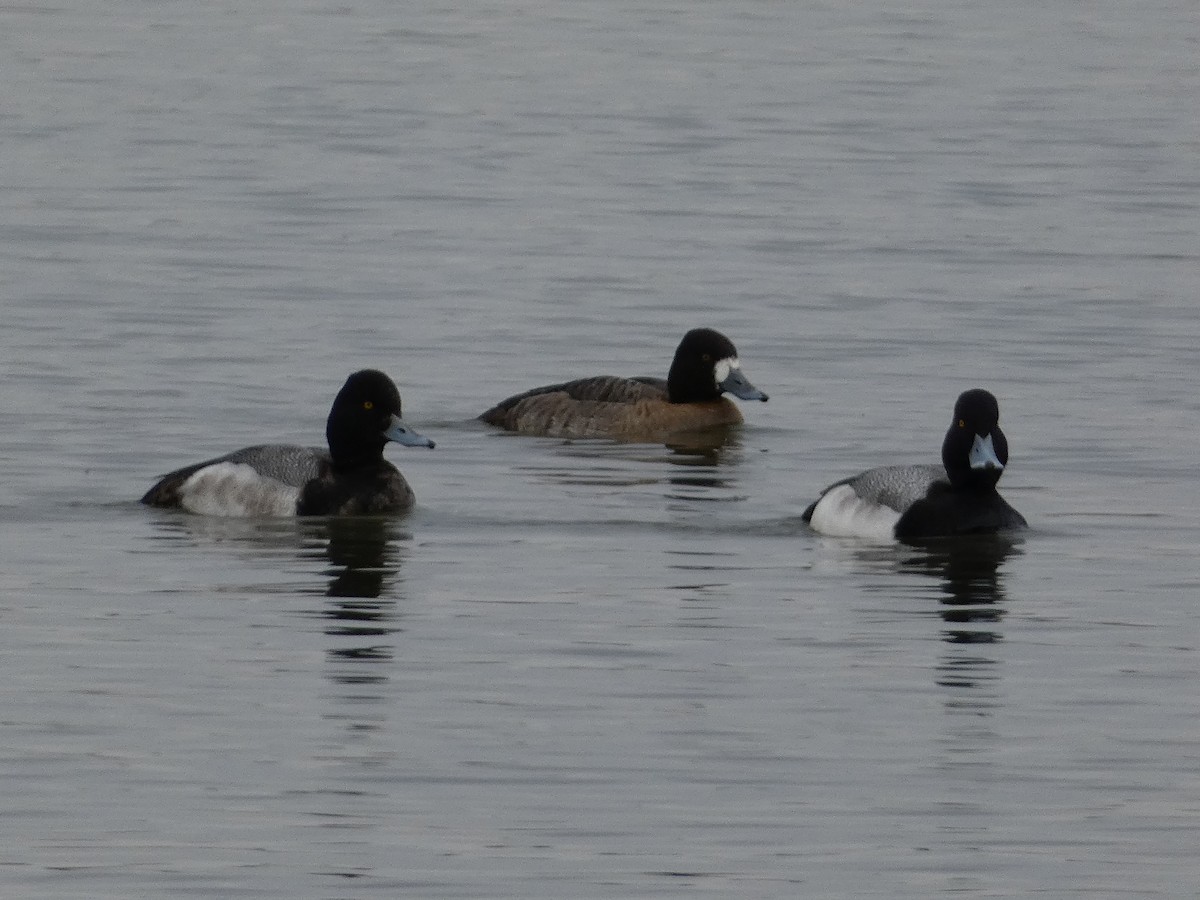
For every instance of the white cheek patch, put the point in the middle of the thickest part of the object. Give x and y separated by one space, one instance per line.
235 489
724 366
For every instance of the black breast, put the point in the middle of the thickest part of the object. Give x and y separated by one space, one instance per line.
375 490
945 512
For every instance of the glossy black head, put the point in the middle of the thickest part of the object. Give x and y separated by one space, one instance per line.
975 451
705 366
365 416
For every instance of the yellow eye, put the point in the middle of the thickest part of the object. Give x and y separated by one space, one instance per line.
962 423
367 404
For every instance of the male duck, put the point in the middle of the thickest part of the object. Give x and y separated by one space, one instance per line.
958 497
350 478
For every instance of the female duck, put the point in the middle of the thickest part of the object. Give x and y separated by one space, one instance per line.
958 497
638 409
350 478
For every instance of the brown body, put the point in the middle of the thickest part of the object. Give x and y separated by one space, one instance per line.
627 409
647 410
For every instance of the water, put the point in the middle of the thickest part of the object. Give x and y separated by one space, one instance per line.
585 670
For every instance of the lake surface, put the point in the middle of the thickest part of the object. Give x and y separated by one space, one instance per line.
583 669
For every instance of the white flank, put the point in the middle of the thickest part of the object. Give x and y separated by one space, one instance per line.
235 489
842 513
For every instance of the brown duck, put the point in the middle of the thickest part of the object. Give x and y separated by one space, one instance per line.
638 409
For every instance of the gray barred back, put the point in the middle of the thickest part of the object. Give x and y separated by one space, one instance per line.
897 487
291 465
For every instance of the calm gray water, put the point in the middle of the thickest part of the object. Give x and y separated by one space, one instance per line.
586 670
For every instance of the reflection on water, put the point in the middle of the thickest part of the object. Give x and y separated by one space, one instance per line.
364 563
364 556
696 465
257 536
965 576
970 586
969 582
359 561
708 446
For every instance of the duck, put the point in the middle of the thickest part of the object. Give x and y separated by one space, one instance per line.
908 502
643 409
351 477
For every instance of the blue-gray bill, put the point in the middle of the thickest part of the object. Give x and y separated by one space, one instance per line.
400 433
739 385
983 454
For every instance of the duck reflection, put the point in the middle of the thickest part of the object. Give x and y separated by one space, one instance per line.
971 588
358 560
704 462
694 463
707 446
970 581
364 557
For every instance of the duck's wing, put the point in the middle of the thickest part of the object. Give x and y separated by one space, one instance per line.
896 487
535 411
289 465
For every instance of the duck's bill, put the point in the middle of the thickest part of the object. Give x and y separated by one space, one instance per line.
400 433
983 454
739 385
